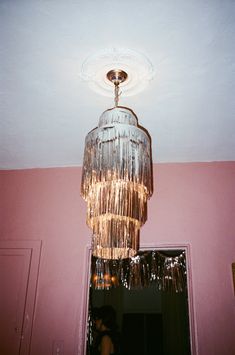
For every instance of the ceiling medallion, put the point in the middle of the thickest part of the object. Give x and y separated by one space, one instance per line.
95 68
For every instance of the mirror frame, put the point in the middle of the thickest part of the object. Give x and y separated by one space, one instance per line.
82 334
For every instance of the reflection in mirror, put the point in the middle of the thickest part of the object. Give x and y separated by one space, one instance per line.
150 296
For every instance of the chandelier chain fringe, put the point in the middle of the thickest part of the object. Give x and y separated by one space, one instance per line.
116 183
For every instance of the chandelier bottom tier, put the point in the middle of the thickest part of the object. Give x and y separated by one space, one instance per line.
116 183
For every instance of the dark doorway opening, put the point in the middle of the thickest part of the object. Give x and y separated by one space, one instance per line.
151 320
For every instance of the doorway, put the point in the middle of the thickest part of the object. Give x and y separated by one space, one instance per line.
153 318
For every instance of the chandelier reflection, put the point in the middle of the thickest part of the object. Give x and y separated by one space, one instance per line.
117 179
104 275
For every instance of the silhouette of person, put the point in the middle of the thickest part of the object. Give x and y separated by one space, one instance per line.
106 342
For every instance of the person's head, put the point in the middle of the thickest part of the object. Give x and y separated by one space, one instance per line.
105 318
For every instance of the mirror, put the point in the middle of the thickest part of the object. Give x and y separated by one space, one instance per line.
150 296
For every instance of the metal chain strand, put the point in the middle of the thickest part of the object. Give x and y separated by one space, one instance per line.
117 95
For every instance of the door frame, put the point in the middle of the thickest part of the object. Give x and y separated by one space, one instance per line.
28 318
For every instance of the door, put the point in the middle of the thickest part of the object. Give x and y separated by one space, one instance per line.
18 278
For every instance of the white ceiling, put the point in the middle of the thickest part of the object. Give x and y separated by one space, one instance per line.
47 109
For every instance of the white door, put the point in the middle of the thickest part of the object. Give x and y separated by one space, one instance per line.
16 286
14 275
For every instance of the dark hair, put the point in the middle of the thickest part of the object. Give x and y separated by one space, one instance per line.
108 316
95 312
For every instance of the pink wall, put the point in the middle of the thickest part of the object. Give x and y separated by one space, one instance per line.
193 204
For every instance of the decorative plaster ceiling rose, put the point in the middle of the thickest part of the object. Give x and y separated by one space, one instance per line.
138 67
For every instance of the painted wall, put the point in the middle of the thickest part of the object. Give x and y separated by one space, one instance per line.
193 204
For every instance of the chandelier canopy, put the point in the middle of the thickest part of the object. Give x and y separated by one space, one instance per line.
117 179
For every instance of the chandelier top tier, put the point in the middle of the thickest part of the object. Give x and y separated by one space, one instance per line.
120 115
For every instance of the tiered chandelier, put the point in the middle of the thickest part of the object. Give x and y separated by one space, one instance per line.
117 179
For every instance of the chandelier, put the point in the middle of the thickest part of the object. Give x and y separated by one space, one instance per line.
116 179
